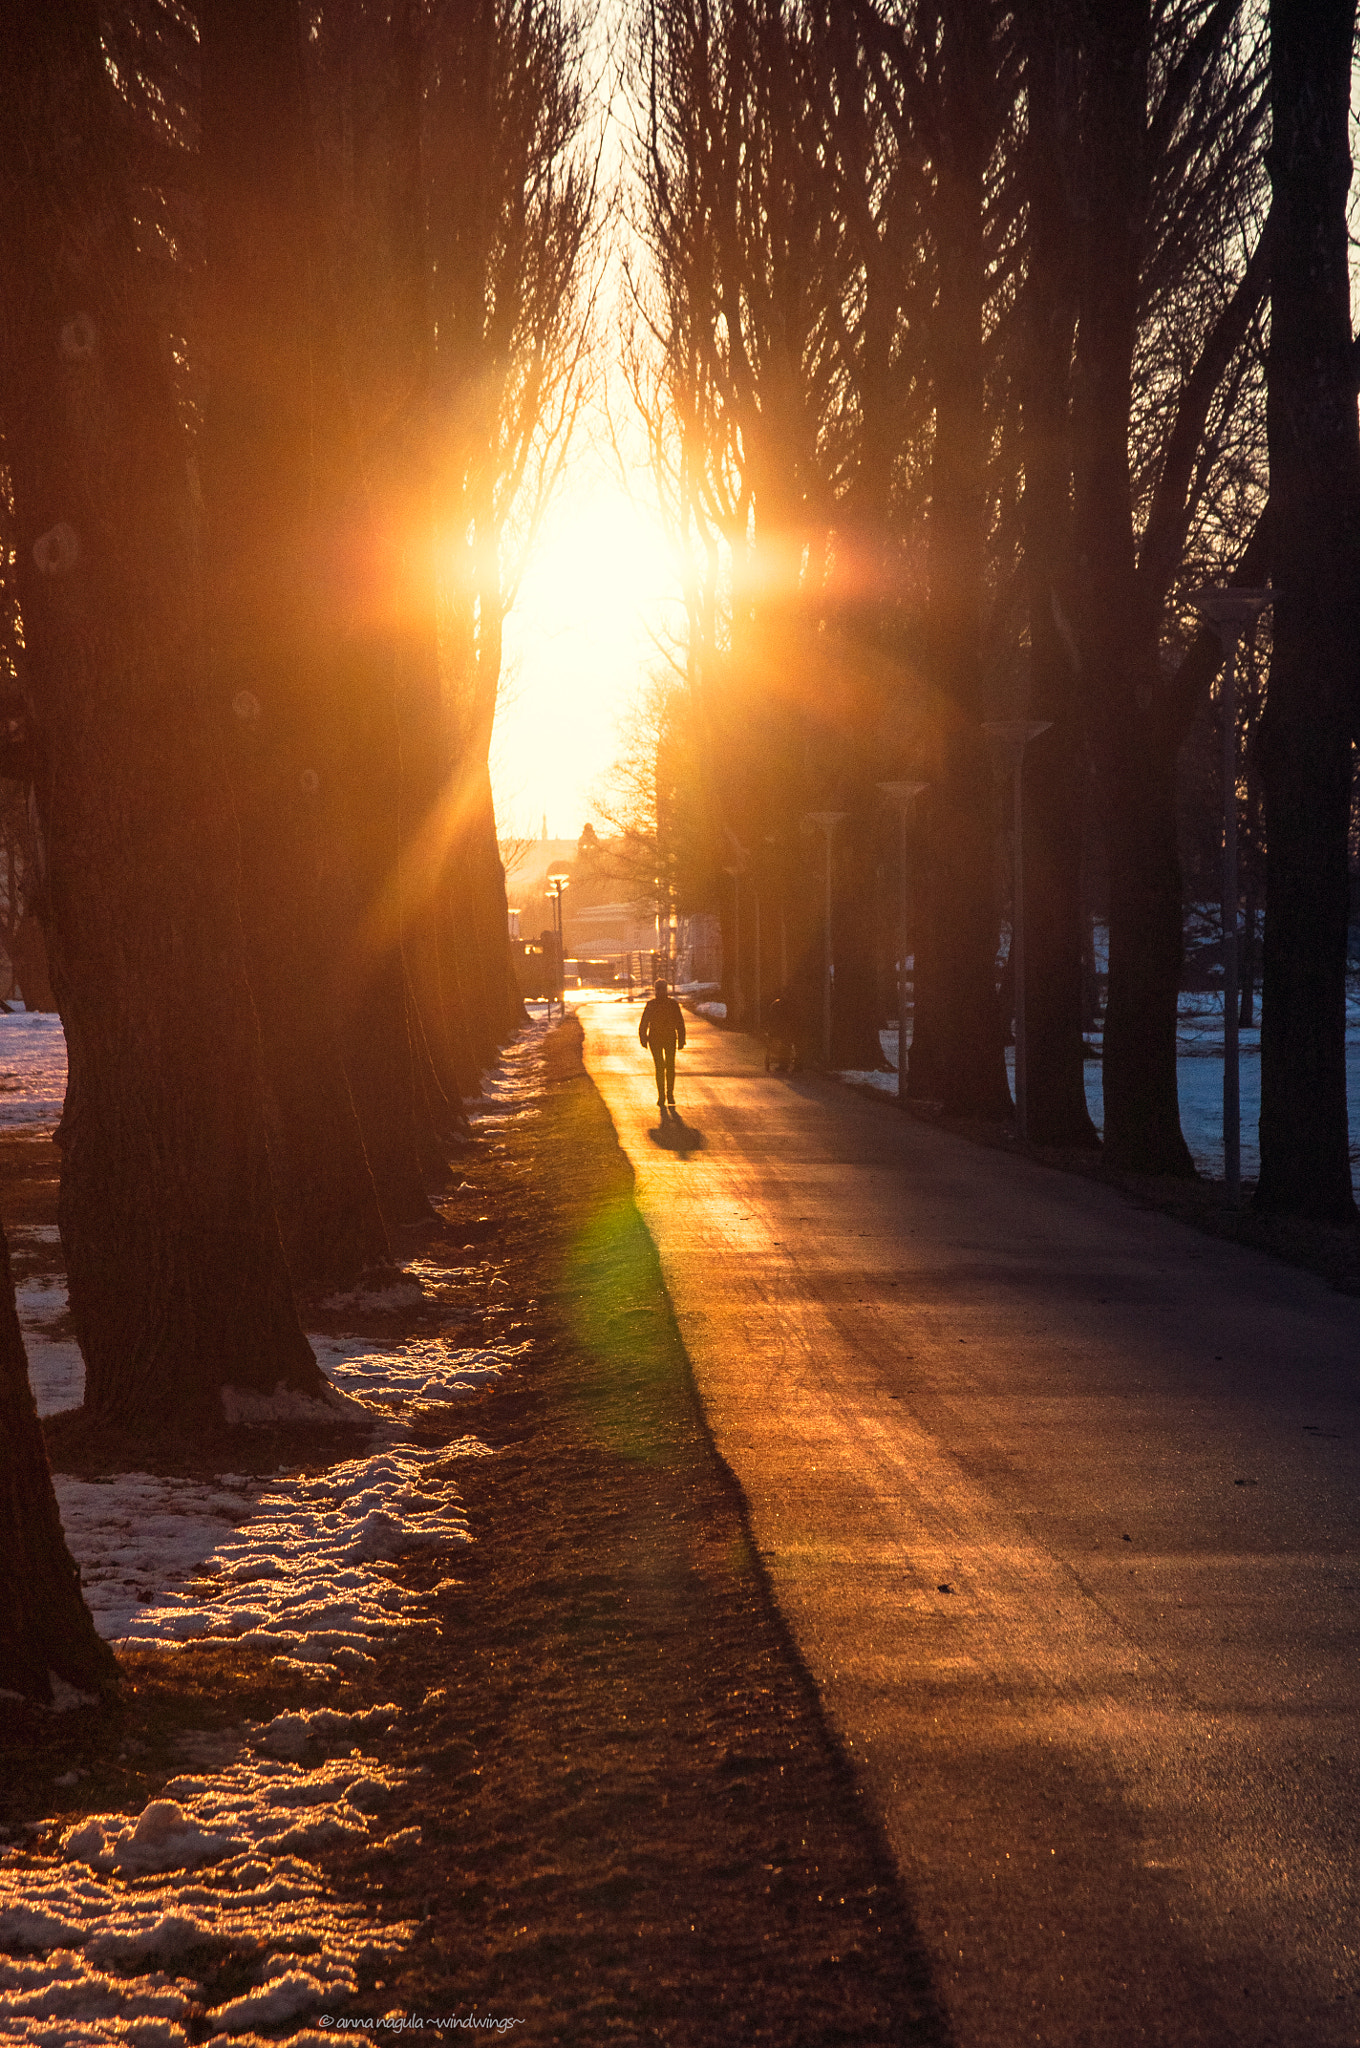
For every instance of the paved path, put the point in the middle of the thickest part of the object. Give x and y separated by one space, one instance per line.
1062 1504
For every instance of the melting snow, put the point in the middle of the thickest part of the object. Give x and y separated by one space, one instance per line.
56 1370
32 1069
113 1937
421 1371
302 1569
133 1915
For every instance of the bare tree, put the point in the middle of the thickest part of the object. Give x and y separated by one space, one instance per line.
280 478
750 266
1162 174
178 1279
1310 717
513 226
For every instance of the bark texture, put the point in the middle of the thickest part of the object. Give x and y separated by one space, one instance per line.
1118 615
1309 720
45 1626
273 470
957 1054
178 1279
1055 763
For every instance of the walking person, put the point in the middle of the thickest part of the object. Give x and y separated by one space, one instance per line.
662 1031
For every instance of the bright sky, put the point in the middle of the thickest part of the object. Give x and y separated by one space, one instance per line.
576 645
598 583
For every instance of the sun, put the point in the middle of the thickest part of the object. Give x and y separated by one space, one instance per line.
599 589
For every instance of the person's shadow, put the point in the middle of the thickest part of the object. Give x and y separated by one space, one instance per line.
675 1135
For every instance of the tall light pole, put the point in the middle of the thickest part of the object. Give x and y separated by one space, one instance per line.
1009 738
902 795
826 821
735 983
1231 612
557 882
781 865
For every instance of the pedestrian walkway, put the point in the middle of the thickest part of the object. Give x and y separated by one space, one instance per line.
1060 1500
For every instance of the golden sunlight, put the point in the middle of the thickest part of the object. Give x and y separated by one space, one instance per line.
598 592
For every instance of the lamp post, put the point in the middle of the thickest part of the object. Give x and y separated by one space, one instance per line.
1231 612
902 795
778 860
557 882
826 821
1009 738
735 983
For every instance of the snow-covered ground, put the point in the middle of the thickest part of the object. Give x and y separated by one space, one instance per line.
32 1068
109 1934
1199 1081
113 1937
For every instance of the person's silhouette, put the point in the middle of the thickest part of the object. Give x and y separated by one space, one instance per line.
662 1031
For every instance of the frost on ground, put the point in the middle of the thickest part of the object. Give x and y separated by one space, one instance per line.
119 1935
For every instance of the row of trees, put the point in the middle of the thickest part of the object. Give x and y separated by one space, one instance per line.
294 328
971 339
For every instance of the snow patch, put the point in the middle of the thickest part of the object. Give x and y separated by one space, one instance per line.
56 1370
246 1405
290 1734
56 1373
418 1372
303 1570
111 1937
32 1070
164 1838
214 1868
400 1294
293 1993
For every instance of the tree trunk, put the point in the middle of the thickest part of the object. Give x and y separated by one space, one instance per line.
372 998
1056 1089
178 1280
862 898
1142 1114
1309 721
1117 623
45 1627
1246 1014
271 456
440 1026
963 1039
28 955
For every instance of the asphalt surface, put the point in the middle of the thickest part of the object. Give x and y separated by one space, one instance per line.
1061 1501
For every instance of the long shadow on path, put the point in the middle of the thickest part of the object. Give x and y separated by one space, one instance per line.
673 1134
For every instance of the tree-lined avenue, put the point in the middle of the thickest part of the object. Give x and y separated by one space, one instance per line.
1059 1500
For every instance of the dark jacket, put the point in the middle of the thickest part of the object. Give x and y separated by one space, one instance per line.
663 1023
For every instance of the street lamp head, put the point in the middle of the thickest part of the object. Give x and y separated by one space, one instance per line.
557 882
1231 607
827 820
1015 732
903 794
1010 736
